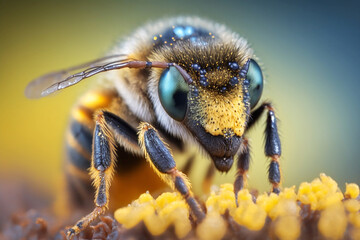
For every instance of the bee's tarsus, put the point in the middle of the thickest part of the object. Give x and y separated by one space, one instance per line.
243 163
160 157
85 221
272 143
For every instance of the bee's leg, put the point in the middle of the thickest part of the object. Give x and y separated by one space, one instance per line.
162 161
188 165
255 115
102 169
273 149
272 143
243 164
206 184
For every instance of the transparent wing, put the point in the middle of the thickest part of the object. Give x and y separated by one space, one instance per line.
55 81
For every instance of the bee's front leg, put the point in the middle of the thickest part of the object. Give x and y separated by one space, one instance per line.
162 161
101 170
272 149
243 164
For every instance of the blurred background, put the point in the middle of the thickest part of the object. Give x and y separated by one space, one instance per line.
310 54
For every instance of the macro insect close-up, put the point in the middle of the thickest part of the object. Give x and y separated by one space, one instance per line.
222 125
175 82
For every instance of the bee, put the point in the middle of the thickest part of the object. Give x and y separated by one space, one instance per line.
172 84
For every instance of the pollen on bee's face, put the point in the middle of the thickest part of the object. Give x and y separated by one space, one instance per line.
220 113
316 210
220 105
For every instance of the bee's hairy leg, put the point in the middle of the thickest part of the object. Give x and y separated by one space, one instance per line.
101 170
255 115
272 143
273 149
162 161
208 179
243 163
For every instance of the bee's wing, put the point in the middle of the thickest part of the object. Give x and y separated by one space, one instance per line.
55 81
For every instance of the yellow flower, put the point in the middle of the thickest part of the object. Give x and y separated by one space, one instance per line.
291 214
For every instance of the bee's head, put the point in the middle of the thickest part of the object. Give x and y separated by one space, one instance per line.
215 106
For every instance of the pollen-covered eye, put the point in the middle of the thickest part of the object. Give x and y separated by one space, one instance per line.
173 92
255 77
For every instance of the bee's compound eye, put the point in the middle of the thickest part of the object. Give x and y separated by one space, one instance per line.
173 92
256 79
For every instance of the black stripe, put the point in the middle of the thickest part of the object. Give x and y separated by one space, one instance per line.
82 135
77 159
80 192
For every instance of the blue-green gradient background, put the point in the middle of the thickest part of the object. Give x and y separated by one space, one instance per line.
309 51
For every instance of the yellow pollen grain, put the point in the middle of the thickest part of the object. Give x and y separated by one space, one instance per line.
131 216
320 193
244 195
284 207
156 224
146 198
222 200
169 208
155 38
213 227
166 198
287 228
352 205
174 210
267 202
329 200
352 190
329 182
354 218
288 193
333 222
249 215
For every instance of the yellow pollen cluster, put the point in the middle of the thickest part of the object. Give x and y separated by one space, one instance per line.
317 210
168 209
218 114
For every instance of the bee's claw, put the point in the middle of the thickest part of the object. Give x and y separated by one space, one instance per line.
70 233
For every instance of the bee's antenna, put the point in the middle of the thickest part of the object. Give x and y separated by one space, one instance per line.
77 77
